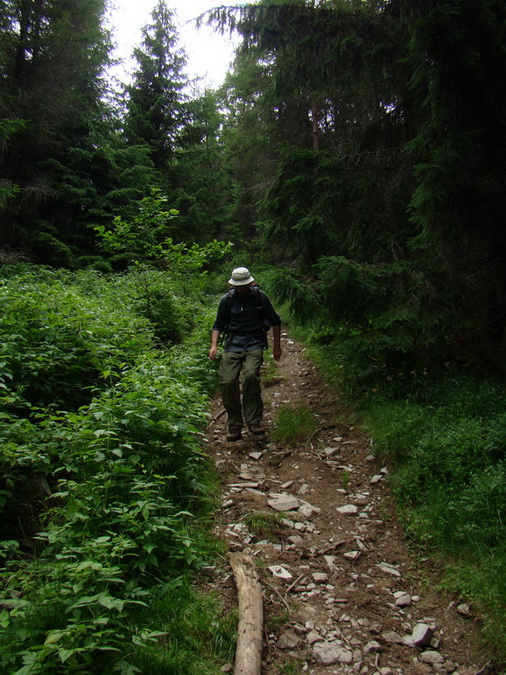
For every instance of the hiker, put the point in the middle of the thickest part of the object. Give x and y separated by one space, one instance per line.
244 314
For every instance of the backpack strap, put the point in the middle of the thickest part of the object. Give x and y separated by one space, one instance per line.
256 295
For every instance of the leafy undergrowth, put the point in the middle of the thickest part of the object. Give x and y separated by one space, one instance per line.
107 493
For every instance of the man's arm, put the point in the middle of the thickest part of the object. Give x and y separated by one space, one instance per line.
213 350
276 346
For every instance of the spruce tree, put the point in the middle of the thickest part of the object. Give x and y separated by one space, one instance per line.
52 55
156 107
386 182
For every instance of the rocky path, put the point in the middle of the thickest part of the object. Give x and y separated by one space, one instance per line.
342 593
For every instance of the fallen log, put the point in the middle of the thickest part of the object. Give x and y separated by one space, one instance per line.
248 656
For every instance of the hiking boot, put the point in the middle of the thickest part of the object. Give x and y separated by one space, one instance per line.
256 429
233 433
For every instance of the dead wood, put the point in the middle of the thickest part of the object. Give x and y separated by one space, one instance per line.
248 658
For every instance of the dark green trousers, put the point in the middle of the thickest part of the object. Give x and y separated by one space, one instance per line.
251 407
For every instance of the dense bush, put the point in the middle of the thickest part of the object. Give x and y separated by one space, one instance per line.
106 490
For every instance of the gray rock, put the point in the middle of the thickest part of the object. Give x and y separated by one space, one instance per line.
313 637
402 600
307 509
329 653
295 539
280 572
320 578
351 555
372 647
421 636
288 640
389 569
347 509
434 658
283 502
392 637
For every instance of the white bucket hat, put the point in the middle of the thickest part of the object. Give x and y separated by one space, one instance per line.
240 277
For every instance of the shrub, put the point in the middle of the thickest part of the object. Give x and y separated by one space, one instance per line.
124 488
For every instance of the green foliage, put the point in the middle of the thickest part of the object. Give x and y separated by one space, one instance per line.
142 237
56 341
144 241
51 60
450 472
111 499
376 179
146 238
294 424
199 636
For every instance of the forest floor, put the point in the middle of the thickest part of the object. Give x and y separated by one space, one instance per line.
342 591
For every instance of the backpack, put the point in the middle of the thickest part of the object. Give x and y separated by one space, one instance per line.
257 296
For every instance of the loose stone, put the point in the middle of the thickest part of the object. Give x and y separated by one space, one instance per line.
372 647
329 653
320 578
280 572
283 502
288 640
392 637
402 600
421 635
313 637
351 555
389 569
434 658
348 509
464 610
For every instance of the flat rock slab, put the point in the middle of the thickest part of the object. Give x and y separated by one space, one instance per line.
283 502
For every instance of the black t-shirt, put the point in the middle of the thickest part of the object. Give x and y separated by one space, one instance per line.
243 321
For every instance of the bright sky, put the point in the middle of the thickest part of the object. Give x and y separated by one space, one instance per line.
209 53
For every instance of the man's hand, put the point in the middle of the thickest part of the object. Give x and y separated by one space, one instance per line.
212 352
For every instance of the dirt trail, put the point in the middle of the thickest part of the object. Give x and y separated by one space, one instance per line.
354 598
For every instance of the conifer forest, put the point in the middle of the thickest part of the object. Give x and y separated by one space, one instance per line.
355 155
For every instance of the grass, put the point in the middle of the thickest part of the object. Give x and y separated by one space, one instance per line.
199 639
264 524
294 423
